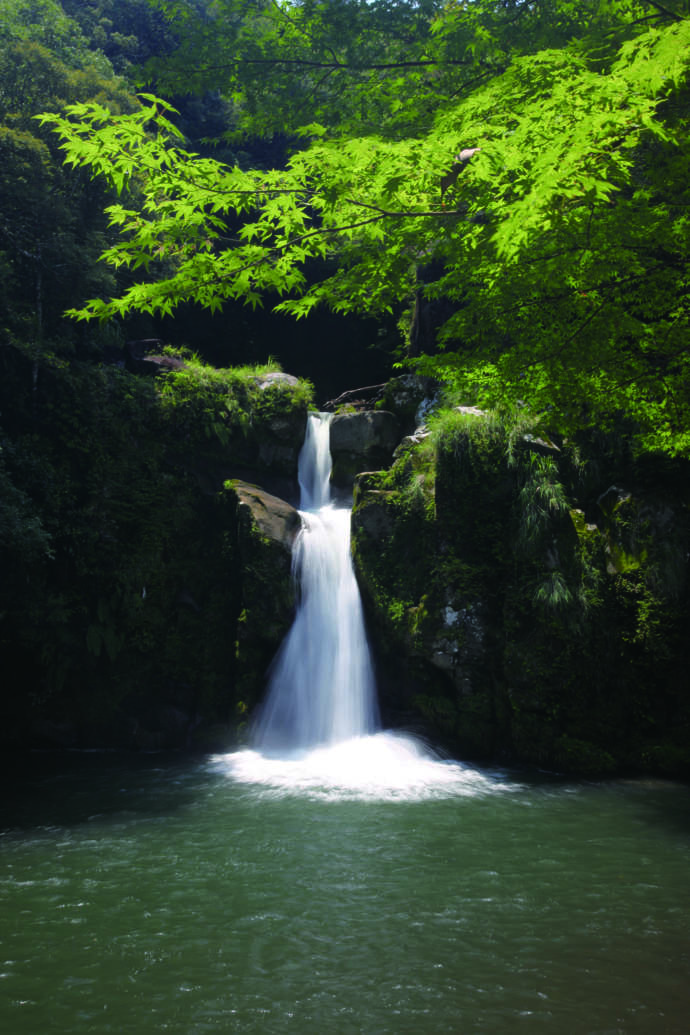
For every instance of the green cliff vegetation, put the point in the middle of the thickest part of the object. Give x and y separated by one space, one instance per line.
124 588
531 597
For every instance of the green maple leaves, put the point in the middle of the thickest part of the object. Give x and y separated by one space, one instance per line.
542 235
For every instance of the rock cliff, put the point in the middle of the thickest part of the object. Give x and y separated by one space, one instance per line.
520 610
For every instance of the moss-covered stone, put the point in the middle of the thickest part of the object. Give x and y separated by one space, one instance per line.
429 594
410 398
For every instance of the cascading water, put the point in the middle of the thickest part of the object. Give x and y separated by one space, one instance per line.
322 688
316 731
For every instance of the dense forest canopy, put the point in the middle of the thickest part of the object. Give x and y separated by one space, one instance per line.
523 164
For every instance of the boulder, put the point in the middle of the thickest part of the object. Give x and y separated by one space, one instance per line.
361 442
279 419
270 516
277 377
374 516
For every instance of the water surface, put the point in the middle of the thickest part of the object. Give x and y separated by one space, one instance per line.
146 895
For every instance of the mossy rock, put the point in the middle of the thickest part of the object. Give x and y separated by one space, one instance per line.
409 397
668 758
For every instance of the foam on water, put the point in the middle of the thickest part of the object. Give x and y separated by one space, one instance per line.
384 766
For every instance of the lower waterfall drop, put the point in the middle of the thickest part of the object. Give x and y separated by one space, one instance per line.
322 689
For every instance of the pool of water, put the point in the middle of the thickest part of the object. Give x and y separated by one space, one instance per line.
222 895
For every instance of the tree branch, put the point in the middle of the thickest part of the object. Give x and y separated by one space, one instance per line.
336 65
387 213
665 11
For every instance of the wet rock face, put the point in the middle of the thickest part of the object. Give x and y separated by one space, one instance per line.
375 517
458 642
361 442
430 616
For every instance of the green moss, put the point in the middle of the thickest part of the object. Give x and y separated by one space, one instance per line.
416 572
670 759
440 712
206 403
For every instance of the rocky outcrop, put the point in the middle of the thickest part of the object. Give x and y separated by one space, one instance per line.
159 596
518 617
361 442
410 397
278 419
272 518
427 563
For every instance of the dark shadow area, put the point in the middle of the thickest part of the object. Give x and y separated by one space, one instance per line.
68 788
334 352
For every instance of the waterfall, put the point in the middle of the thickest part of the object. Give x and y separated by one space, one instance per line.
317 732
321 689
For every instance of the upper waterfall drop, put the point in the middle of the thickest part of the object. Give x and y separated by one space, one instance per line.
321 689
314 464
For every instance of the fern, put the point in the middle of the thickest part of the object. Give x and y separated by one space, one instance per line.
552 594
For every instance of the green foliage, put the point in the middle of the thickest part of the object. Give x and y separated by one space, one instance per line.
453 426
553 593
201 400
522 633
51 222
573 755
541 497
128 32
555 251
44 22
312 64
564 221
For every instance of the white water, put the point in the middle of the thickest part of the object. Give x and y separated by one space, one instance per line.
322 688
317 728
